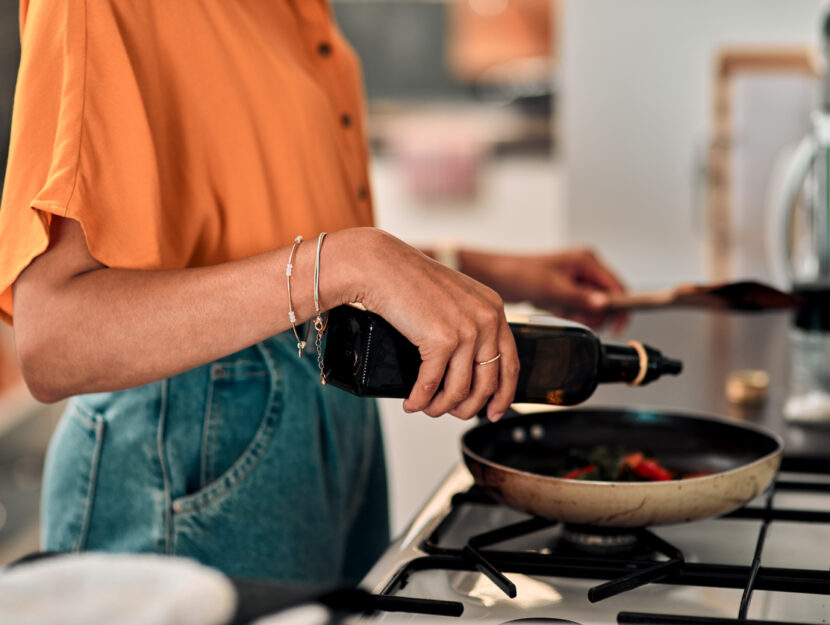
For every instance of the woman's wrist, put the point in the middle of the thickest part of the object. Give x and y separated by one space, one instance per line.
345 265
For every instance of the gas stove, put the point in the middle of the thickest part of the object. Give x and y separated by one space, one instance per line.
470 557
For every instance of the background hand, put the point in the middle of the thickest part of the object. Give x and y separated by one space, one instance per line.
572 283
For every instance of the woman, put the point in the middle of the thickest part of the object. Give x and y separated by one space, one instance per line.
164 158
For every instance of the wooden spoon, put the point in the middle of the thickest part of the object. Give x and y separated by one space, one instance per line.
745 296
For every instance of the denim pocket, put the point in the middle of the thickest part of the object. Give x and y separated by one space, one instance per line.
70 477
241 412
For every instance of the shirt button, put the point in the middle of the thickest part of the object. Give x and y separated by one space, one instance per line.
324 48
362 193
346 120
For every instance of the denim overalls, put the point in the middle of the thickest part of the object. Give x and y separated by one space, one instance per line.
246 464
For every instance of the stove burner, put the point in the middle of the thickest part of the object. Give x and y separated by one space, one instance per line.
531 547
601 541
643 540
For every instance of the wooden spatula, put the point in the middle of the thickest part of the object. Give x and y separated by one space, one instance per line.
746 296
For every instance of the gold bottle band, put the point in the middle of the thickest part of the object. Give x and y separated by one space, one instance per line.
643 356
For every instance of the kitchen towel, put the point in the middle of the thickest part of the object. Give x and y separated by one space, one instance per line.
115 589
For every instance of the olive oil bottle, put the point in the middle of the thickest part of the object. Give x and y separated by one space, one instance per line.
561 362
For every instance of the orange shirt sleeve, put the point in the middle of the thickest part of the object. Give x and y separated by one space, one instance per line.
56 163
181 134
45 136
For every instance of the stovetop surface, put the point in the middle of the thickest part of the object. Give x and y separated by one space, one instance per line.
566 598
793 520
711 346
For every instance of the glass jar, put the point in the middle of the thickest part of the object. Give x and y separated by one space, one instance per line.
809 387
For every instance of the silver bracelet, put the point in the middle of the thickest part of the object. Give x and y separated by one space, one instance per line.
289 270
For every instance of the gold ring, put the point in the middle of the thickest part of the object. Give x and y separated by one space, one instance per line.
487 362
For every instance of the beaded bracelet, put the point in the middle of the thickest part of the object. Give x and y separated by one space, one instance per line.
289 269
319 324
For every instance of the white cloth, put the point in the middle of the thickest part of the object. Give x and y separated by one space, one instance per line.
115 589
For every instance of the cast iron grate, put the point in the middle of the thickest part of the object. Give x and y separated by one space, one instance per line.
669 566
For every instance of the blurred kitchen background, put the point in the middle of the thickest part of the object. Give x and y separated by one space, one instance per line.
655 131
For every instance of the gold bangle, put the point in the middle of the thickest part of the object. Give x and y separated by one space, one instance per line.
319 324
289 270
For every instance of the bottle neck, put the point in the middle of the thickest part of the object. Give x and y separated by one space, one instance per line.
635 364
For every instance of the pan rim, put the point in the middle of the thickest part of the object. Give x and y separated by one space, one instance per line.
668 484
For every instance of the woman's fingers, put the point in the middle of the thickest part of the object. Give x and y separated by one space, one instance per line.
494 381
508 373
450 379
485 379
457 382
593 271
430 375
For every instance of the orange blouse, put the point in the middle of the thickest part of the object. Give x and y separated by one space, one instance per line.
181 134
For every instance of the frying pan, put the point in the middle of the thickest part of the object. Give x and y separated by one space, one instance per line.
516 460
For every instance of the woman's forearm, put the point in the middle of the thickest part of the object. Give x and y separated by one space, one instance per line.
81 327
106 329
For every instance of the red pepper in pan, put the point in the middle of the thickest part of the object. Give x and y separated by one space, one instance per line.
573 475
646 468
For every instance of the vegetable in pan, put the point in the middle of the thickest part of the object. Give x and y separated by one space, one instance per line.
603 464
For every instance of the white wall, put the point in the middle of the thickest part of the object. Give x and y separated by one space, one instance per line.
635 90
518 206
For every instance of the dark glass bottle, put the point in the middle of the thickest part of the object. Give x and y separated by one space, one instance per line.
561 362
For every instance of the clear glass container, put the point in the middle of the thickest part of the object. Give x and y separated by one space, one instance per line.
804 228
809 391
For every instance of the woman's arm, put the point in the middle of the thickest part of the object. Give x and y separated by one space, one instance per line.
83 327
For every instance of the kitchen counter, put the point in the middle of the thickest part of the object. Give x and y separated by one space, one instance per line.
711 345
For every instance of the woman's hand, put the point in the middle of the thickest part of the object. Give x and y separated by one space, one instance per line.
573 283
455 321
